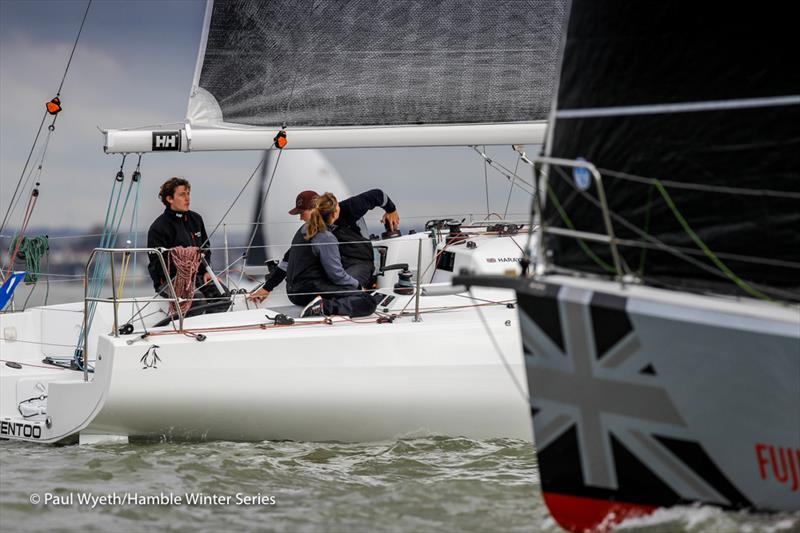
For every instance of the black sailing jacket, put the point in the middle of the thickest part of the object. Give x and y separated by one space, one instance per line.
172 229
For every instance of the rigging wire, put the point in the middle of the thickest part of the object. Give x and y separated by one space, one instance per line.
660 244
511 188
261 205
486 181
75 45
701 186
22 174
44 117
241 191
506 173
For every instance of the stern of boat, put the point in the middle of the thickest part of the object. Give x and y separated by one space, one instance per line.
40 401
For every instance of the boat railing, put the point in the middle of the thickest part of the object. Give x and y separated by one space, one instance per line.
115 300
609 237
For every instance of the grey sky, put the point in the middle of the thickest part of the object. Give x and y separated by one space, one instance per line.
134 67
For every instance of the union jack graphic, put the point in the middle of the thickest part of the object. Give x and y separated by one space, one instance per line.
604 425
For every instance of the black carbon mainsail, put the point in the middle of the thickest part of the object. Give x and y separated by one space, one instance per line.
704 98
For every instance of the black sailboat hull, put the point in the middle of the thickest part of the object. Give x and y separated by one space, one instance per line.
642 398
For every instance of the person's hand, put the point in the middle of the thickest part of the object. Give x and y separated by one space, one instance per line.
206 278
258 295
392 219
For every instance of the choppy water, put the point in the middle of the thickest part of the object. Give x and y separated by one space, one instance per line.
430 484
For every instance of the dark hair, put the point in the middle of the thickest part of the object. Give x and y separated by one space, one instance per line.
324 207
169 186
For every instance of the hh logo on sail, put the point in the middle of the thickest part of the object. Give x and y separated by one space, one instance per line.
166 140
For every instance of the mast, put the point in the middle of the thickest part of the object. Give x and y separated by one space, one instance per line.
256 252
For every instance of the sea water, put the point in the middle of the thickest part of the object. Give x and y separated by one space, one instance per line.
427 484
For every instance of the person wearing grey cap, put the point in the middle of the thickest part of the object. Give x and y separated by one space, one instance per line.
355 249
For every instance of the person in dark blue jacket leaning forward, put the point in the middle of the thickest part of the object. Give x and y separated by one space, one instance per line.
315 276
355 249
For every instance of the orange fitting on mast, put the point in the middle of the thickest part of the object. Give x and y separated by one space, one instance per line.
54 106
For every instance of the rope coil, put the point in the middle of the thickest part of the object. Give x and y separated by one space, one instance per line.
187 261
31 250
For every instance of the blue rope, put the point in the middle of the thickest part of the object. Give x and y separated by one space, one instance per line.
111 224
113 235
132 233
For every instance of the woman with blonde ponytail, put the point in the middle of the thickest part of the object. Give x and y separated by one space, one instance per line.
315 276
324 212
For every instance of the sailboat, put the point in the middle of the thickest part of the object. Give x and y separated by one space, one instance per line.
661 314
277 76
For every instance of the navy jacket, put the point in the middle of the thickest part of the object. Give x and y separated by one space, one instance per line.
346 229
316 259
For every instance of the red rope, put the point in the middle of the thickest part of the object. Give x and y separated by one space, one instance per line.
186 261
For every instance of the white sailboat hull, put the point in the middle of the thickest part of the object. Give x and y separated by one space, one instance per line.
317 383
458 371
343 381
